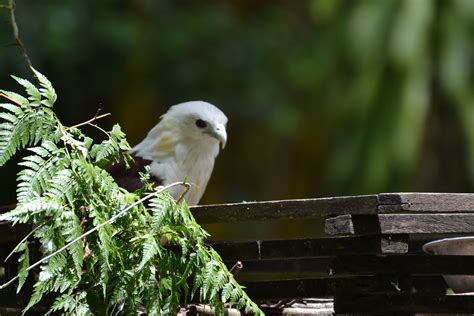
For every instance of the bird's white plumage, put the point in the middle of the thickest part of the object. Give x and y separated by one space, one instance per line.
181 150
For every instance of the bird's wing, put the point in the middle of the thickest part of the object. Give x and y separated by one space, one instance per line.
160 143
129 178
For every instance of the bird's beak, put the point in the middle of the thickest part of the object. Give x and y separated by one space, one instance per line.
220 134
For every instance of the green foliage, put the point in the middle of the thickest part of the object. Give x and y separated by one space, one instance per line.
136 258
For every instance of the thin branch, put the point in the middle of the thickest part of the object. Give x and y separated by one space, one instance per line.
95 118
236 268
112 219
187 186
24 239
16 33
4 6
8 98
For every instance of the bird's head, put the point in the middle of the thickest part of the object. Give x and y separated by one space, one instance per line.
200 121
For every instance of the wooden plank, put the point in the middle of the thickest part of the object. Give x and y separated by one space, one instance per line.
306 248
426 202
351 225
289 289
272 269
362 265
403 302
285 209
453 223
426 223
403 264
325 287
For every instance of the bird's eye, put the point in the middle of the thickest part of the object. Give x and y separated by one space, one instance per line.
200 123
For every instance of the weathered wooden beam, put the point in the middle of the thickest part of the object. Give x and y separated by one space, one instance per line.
327 287
288 289
305 248
401 224
403 302
351 266
285 209
426 202
403 264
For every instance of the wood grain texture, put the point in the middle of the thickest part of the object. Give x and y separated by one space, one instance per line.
426 202
288 289
306 248
402 265
384 304
285 209
433 223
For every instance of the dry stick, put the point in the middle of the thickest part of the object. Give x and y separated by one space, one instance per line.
95 118
23 240
16 33
8 98
236 268
113 218
187 186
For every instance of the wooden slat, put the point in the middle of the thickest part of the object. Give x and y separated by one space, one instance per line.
288 289
304 248
270 210
401 224
363 265
326 287
426 202
404 302
403 264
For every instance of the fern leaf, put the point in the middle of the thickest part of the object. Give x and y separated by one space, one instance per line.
47 91
226 292
33 92
16 98
24 261
150 249
71 229
28 211
39 289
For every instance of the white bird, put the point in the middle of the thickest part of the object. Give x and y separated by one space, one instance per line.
182 146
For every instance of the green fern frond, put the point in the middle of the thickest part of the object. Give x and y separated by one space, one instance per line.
24 262
33 180
111 149
20 130
29 211
71 229
150 249
47 90
34 94
122 266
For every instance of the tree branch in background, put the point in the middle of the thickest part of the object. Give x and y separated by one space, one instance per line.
16 34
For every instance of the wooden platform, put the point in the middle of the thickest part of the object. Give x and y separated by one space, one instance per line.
366 255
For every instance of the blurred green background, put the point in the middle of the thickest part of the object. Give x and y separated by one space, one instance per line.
324 97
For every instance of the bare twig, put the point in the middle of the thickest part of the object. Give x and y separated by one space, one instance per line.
8 98
236 268
88 122
24 239
187 186
16 33
112 219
